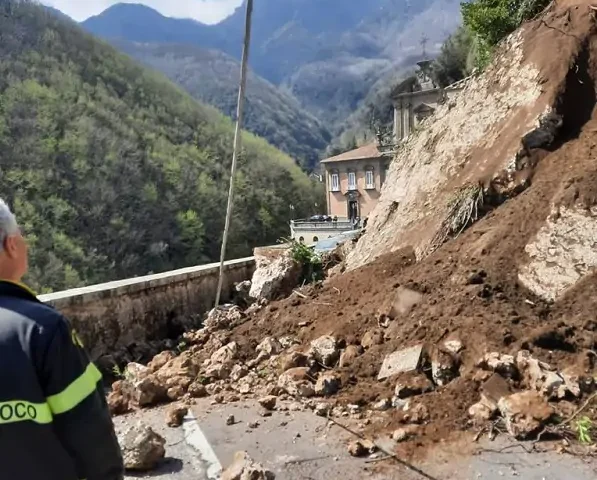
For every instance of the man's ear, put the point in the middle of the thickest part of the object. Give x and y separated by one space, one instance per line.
10 246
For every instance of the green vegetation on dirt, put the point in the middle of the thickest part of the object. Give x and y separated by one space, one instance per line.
113 171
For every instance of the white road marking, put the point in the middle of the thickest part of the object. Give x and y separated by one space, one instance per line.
196 439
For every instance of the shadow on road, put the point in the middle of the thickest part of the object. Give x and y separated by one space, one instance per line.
168 466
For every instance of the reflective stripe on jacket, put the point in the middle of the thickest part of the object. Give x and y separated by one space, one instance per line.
54 421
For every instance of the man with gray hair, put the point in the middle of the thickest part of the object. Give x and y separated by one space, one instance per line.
54 420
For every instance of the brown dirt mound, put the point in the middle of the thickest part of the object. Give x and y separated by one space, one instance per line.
469 285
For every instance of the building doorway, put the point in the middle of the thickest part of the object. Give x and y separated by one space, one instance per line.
353 209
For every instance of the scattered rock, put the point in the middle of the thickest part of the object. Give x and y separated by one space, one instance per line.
175 393
218 371
494 389
401 361
482 412
269 402
410 385
328 384
417 414
293 360
361 448
146 391
543 378
322 409
254 425
230 420
372 338
444 368
453 346
118 403
268 347
382 405
349 355
403 434
288 341
175 415
226 354
238 372
525 413
160 360
325 350
242 295
142 448
502 364
223 317
244 468
296 381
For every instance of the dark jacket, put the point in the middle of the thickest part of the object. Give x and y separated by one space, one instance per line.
54 421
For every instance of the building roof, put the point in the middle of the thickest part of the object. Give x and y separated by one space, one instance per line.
361 153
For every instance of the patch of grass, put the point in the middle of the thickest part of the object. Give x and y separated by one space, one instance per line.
584 427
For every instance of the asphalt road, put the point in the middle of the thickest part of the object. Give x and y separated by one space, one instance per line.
302 446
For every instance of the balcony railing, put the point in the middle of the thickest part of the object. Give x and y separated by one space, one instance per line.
340 225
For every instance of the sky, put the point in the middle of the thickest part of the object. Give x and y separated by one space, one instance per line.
206 11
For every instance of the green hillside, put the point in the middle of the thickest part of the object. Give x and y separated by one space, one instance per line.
115 172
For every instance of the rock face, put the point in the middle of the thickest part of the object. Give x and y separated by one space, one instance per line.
525 413
244 468
479 132
276 274
142 448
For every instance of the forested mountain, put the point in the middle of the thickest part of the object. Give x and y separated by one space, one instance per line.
212 77
327 53
113 171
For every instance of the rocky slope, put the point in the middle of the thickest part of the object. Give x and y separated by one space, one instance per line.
449 337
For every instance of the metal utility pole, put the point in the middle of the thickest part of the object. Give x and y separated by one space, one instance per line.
237 142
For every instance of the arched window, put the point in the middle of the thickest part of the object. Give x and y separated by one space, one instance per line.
302 239
315 239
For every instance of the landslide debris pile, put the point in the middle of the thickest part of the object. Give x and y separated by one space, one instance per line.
457 341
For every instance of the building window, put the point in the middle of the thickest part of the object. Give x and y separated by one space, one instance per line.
315 239
335 182
352 180
369 179
302 239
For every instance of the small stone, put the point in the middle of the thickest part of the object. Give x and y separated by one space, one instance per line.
349 355
482 412
322 409
269 346
453 346
175 415
382 405
401 361
142 448
325 350
230 420
525 413
328 384
175 393
372 338
218 371
403 434
245 468
417 414
269 402
293 360
502 364
254 425
361 448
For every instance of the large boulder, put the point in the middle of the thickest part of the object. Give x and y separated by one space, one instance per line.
245 468
276 275
141 387
142 448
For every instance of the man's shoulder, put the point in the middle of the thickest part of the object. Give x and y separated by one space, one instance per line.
31 312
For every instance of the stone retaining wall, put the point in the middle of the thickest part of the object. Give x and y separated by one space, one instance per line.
116 315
